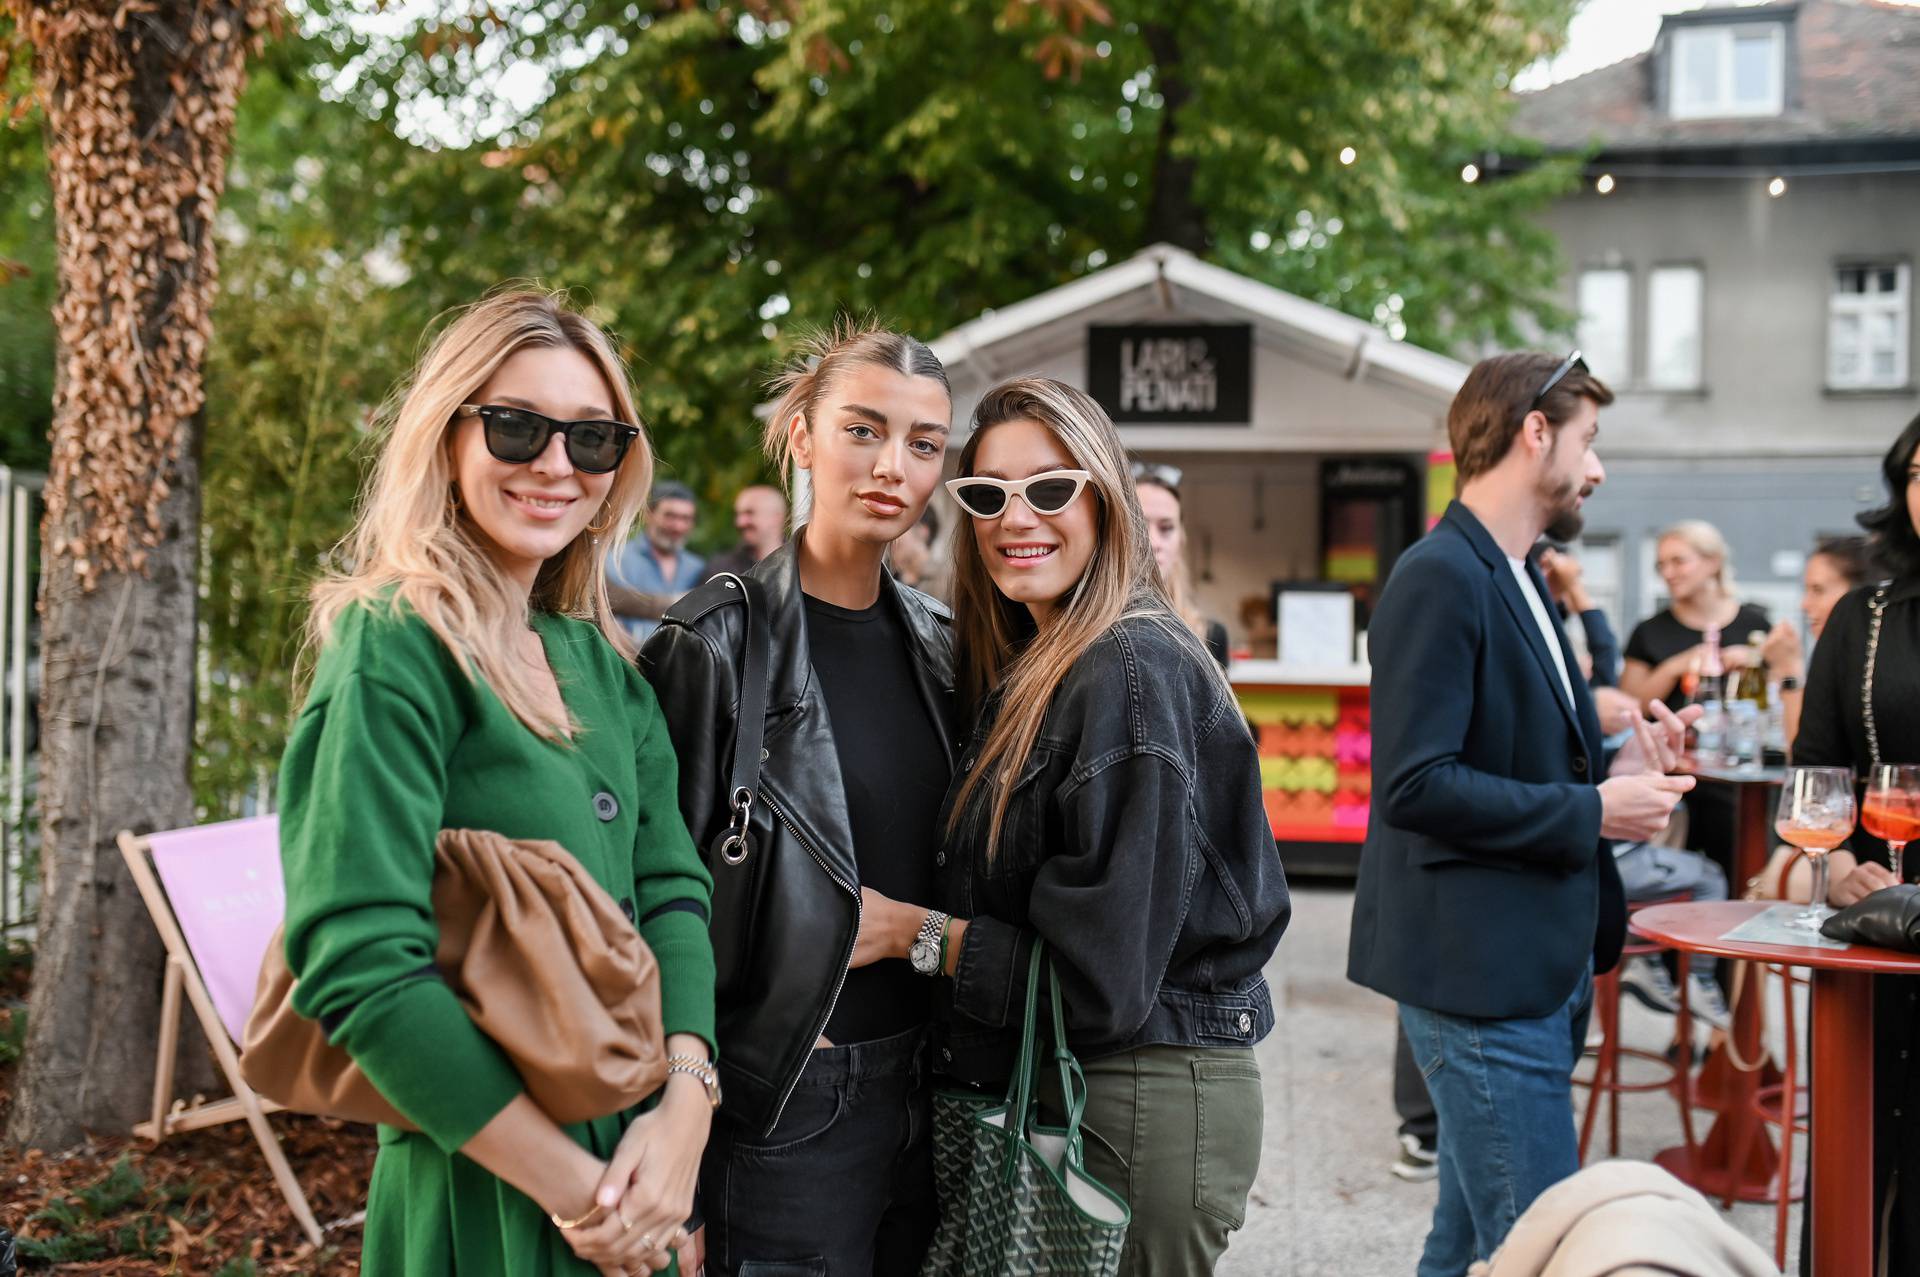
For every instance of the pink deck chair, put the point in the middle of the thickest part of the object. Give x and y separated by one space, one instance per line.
216 896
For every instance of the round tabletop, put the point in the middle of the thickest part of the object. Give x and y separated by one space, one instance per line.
1698 928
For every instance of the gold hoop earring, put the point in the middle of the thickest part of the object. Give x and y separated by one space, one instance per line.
604 523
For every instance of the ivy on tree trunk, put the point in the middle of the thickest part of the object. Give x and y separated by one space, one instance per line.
139 106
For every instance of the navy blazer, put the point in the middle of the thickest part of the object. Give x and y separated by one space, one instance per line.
1484 884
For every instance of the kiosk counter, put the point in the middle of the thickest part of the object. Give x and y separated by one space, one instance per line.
1316 752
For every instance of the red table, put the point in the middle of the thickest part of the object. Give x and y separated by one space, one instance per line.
1722 1086
1843 1203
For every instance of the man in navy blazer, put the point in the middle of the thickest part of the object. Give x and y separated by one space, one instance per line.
1486 900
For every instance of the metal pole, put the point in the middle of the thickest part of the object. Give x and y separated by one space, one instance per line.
17 717
12 845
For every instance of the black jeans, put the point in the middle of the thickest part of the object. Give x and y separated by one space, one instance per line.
844 1185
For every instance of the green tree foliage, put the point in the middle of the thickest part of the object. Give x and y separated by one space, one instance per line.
26 283
714 175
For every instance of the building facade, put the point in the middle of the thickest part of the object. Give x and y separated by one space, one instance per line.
1740 255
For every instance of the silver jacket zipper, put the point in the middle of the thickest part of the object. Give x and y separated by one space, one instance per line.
845 959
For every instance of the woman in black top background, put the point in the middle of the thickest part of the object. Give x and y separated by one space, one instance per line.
1664 651
1834 732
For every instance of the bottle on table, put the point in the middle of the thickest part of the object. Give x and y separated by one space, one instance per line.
1745 728
1710 693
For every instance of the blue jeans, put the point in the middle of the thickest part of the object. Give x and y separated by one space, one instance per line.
1503 1090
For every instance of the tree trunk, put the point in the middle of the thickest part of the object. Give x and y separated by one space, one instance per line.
139 106
1173 216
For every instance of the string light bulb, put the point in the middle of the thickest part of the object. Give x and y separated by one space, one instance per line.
1471 173
1777 187
1605 184
1348 155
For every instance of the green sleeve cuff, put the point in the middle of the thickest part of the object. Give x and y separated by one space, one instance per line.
684 950
417 1044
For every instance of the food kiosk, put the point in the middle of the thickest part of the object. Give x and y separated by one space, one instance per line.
1303 439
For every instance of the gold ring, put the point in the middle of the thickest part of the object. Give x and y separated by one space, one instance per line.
646 1243
626 1225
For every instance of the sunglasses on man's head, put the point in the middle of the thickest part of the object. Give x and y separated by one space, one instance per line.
1047 493
518 435
1569 364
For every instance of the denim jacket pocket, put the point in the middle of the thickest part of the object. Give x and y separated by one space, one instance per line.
1024 832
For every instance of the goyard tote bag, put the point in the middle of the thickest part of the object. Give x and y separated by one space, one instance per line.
1015 1197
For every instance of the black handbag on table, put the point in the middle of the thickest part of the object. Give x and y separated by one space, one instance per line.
1887 919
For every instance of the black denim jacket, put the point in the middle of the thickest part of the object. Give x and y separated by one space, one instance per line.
1137 845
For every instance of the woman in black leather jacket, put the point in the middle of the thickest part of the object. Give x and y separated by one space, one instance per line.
820 1161
1108 804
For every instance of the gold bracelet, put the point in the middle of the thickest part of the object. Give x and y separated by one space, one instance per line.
568 1225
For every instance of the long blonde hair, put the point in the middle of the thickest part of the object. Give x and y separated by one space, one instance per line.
1704 540
410 538
1120 583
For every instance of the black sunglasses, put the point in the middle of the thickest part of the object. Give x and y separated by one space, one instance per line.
1567 365
518 435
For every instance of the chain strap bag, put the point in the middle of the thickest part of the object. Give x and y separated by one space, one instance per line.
1014 1194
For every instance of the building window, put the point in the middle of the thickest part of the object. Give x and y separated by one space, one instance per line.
1605 301
1728 70
1675 297
1867 326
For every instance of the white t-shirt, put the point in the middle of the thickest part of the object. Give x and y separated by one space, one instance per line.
1549 626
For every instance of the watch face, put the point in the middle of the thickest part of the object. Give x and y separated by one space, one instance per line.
922 956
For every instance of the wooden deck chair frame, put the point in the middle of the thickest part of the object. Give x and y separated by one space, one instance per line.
183 977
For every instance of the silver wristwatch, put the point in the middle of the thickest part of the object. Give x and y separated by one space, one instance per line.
925 953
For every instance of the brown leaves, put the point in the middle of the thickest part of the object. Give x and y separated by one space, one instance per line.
136 184
1061 52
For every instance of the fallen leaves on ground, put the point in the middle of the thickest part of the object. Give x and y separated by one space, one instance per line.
199 1203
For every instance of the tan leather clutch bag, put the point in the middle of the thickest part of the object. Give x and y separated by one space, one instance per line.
542 958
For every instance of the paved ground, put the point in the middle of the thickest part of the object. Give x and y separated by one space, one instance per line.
1324 1202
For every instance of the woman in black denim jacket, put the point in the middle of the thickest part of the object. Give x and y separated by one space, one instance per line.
1109 804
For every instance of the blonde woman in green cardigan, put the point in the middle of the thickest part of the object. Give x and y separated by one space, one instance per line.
471 675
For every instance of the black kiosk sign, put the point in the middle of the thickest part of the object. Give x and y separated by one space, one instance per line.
1169 374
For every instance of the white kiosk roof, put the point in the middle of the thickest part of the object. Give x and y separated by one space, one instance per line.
1323 380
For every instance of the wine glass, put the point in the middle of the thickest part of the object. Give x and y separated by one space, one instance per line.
1892 810
1815 815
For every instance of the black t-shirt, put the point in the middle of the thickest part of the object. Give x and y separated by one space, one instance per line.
1661 637
896 774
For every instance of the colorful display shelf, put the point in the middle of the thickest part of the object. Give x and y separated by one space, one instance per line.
1316 752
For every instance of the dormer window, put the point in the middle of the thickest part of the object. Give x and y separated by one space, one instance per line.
1728 70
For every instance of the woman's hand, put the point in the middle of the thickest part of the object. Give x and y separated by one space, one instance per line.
649 1182
887 928
1782 650
1563 573
1866 878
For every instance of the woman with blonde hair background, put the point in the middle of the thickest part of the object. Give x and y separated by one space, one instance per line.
1109 805
1663 652
469 674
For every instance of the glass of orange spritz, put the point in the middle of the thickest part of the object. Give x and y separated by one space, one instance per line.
1816 814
